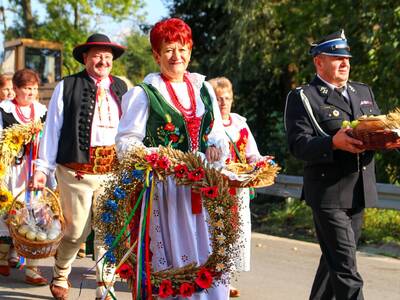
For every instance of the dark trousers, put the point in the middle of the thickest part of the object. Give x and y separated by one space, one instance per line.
338 231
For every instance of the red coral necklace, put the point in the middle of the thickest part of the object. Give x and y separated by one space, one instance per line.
229 123
189 114
20 114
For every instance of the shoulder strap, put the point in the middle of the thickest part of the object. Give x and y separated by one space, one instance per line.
308 108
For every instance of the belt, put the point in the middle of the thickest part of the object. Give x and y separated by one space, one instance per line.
102 159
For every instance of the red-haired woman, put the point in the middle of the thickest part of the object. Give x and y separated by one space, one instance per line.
184 104
23 109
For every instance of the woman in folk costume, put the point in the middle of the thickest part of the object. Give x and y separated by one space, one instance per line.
243 149
183 104
23 109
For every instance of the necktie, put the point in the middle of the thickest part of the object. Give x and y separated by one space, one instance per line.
340 90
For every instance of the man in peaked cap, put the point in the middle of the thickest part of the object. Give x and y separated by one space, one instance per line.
78 143
339 175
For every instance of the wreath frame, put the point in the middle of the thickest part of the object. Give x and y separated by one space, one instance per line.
188 169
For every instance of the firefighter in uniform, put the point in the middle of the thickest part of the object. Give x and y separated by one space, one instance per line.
339 174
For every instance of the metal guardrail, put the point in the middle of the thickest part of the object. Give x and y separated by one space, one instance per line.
290 186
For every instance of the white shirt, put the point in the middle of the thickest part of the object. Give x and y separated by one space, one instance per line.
100 136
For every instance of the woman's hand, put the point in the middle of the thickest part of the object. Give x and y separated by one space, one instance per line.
38 181
213 154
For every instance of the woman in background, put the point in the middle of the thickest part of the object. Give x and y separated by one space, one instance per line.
6 87
243 148
23 109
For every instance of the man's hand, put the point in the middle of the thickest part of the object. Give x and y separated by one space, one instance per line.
213 154
38 181
342 141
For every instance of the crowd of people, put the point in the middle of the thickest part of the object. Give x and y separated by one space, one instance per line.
93 119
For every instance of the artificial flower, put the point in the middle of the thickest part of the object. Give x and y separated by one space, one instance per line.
110 257
107 217
186 289
109 239
119 193
204 278
181 171
152 158
210 192
165 289
6 199
219 267
126 179
196 174
222 251
174 137
219 210
169 127
3 169
261 164
111 205
219 224
125 271
220 238
163 163
137 174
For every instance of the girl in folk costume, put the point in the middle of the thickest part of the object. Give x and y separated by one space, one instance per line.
183 104
23 109
243 149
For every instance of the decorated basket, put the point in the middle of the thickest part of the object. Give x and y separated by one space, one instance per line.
33 248
379 132
259 174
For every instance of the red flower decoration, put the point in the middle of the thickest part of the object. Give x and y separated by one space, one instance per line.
163 163
125 271
169 127
165 289
181 171
152 158
186 289
261 164
174 138
204 278
197 174
232 191
210 192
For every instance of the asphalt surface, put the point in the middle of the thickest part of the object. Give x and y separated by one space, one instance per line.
282 269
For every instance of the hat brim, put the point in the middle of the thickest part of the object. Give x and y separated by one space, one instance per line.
338 52
78 51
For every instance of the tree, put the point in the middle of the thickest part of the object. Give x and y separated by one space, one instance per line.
70 21
262 47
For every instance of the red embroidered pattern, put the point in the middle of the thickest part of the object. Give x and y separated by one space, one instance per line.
189 114
241 145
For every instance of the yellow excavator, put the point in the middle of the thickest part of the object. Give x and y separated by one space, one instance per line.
45 57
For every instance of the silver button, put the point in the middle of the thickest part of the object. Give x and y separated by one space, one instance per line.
364 168
322 174
324 155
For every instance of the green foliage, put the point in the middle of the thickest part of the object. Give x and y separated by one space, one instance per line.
138 59
262 47
381 226
71 22
293 218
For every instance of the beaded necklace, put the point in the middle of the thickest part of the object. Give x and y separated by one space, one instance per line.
20 114
189 114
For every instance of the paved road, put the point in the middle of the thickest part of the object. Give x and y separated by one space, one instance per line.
282 269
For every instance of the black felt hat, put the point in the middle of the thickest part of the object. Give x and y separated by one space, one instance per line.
97 40
334 44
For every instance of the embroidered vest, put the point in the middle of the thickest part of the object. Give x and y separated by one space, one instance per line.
79 99
166 125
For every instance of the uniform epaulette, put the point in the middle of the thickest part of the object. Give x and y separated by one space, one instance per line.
357 83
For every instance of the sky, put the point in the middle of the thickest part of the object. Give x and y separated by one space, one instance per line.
155 11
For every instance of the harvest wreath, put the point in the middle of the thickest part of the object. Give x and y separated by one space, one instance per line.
127 200
12 142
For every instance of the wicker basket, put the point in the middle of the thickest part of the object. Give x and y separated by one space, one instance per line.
378 139
37 249
255 177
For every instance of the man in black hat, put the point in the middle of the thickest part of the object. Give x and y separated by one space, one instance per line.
339 175
78 143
